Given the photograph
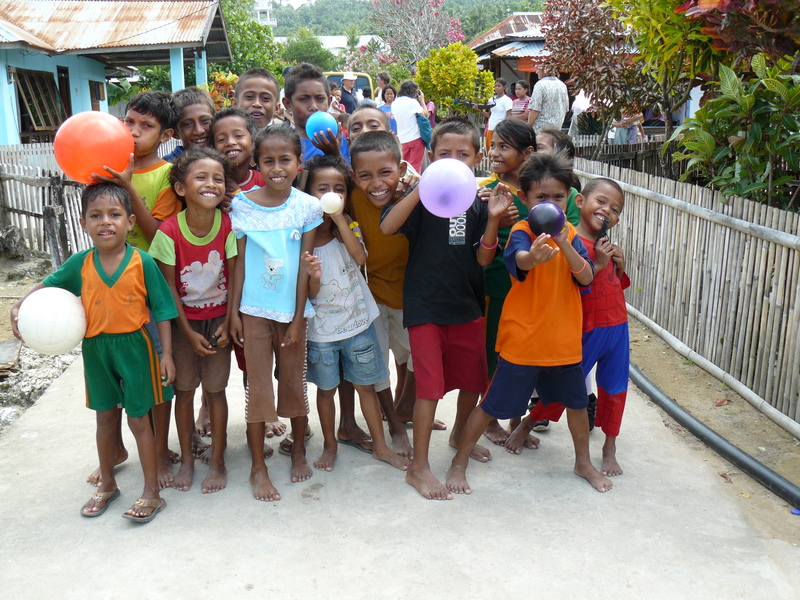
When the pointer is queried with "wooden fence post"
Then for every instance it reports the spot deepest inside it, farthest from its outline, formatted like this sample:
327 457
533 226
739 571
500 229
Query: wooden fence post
55 230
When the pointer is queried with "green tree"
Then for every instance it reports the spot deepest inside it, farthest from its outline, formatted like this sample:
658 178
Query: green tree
252 44
450 75
304 46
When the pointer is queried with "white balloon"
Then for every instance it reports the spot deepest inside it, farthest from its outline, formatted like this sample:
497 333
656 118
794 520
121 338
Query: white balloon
330 202
52 321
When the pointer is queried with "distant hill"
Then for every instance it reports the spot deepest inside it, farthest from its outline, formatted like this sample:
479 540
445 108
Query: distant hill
338 17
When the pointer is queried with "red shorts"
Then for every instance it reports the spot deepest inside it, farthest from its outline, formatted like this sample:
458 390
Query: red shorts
448 357
414 153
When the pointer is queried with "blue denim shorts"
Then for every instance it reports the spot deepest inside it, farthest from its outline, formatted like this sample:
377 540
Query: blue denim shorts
357 360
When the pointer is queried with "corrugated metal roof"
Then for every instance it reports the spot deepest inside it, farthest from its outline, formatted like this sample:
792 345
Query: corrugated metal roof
520 49
109 27
515 25
13 36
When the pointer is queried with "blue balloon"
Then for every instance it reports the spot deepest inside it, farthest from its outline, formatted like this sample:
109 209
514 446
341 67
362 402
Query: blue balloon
320 122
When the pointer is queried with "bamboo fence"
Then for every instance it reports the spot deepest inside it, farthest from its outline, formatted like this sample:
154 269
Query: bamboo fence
722 275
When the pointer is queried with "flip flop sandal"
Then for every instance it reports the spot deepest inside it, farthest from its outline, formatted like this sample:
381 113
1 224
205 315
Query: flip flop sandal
285 447
357 445
107 497
157 504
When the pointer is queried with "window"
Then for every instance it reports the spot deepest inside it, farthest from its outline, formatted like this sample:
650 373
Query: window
97 93
40 104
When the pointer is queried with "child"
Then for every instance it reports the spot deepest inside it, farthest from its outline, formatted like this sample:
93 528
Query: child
341 334
232 133
275 226
117 283
151 118
195 110
443 296
307 92
512 142
256 91
539 339
196 252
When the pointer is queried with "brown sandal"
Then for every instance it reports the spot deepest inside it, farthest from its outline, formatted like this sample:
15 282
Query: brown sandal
157 504
105 497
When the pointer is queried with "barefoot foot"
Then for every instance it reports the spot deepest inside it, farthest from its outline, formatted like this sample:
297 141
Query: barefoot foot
326 459
610 466
183 480
402 445
165 475
94 476
456 480
216 479
174 457
521 438
478 452
276 428
203 423
593 476
427 485
198 445
387 456
262 487
301 470
495 433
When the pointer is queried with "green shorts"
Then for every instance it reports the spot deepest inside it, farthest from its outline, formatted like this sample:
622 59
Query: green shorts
122 370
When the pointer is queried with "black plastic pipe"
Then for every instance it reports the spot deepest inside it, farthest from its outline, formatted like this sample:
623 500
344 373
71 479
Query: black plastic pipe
764 475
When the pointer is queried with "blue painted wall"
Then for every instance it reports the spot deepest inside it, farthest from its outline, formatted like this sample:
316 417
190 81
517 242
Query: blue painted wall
81 71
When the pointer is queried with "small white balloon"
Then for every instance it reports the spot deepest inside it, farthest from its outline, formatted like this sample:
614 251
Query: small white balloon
330 202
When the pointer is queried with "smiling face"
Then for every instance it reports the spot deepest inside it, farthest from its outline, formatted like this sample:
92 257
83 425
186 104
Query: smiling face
194 126
458 146
278 163
232 138
548 190
309 97
328 180
107 223
204 186
376 173
147 133
388 96
506 159
258 97
603 202
366 119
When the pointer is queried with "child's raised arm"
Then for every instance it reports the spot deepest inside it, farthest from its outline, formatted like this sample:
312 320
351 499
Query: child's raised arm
393 220
499 200
354 246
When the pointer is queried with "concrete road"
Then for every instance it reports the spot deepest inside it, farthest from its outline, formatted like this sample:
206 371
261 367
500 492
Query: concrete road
530 529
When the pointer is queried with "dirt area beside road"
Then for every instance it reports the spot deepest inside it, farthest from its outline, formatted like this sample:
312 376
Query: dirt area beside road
735 419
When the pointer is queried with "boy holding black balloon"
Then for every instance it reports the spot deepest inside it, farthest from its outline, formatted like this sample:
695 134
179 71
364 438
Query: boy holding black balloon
539 338
443 295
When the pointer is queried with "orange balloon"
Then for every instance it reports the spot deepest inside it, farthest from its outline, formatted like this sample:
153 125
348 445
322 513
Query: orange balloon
88 141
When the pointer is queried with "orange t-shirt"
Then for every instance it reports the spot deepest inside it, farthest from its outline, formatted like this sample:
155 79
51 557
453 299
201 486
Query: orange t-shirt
387 255
542 316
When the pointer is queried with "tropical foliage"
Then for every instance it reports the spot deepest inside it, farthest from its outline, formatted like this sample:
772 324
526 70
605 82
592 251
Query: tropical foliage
449 76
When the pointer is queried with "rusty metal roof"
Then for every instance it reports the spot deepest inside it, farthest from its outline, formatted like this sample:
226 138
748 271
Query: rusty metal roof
521 48
521 24
119 32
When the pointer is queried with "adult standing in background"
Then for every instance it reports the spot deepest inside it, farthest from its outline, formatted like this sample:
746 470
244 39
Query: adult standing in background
349 98
384 79
389 94
549 102
519 108
410 102
499 106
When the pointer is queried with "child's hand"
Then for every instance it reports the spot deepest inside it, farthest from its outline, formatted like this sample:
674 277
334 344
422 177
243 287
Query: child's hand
237 333
500 199
167 370
222 335
294 333
313 266
200 345
122 179
327 142
510 217
618 256
604 251
406 182
541 251
15 322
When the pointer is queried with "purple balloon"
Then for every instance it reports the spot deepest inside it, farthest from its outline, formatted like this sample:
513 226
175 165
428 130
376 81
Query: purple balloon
447 187
546 217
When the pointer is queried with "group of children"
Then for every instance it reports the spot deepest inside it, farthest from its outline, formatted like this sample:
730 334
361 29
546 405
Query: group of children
242 256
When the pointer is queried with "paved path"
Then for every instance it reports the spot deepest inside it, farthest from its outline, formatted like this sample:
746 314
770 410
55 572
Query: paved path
530 528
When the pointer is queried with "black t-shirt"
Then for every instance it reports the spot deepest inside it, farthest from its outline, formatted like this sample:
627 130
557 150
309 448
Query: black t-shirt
444 282
349 100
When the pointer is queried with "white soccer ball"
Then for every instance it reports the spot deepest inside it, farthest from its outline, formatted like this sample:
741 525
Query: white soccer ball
52 321
330 202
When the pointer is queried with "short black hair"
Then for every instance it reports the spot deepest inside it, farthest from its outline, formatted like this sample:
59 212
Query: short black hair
457 126
180 170
384 117
300 73
325 161
562 143
112 190
255 72
593 183
282 131
539 167
409 88
156 103
376 141
192 95
235 111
